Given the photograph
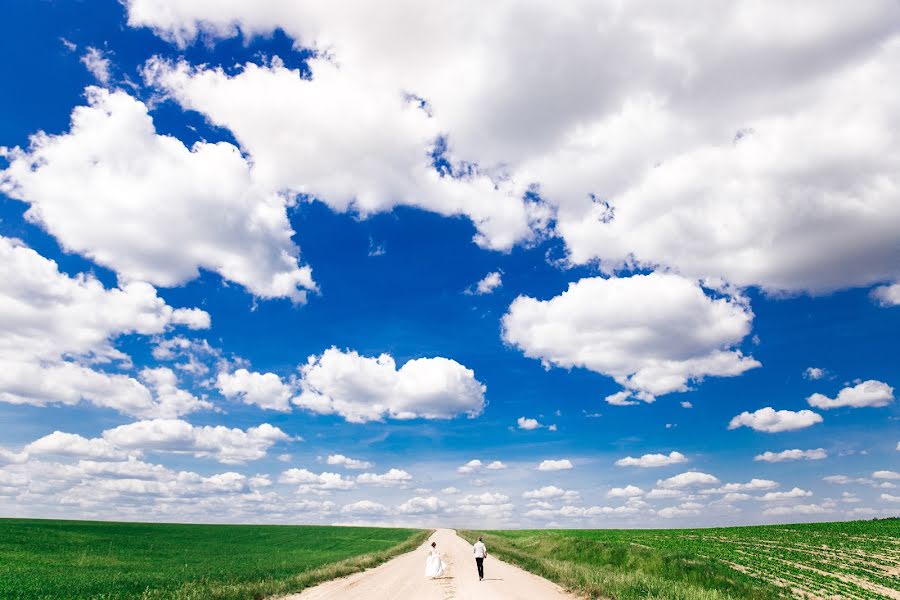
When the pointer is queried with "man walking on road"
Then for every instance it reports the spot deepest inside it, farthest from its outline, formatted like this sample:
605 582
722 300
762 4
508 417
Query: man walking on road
480 554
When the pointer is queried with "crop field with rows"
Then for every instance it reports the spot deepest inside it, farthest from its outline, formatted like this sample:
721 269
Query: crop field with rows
854 560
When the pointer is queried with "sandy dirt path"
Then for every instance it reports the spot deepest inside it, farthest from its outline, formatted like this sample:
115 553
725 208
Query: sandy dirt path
403 578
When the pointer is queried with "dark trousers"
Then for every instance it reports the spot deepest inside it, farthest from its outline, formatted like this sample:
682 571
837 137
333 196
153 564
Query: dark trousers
480 563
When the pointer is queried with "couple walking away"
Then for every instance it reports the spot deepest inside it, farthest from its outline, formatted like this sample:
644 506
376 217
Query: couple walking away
434 566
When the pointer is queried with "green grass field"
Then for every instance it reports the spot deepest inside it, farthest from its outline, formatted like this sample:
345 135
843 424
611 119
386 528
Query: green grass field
87 559
855 560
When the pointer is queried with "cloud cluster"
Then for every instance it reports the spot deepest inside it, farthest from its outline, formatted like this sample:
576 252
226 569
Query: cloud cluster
868 393
770 420
652 333
795 454
653 460
362 389
636 162
563 464
151 209
58 334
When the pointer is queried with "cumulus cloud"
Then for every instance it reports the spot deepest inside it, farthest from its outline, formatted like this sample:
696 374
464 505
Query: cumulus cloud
652 333
73 445
366 507
779 496
527 423
795 454
797 509
393 477
98 64
653 460
814 373
886 475
495 465
347 462
286 121
890 498
551 492
316 482
887 295
771 421
224 444
752 485
868 393
362 389
629 491
265 390
636 164
470 467
56 331
687 479
488 284
555 465
419 505
150 208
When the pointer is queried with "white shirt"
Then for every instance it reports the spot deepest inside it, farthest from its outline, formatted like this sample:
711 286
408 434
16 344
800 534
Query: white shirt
480 550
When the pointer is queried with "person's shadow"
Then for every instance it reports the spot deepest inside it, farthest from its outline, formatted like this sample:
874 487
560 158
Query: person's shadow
492 579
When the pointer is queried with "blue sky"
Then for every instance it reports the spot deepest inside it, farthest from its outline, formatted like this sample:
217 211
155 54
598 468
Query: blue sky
232 214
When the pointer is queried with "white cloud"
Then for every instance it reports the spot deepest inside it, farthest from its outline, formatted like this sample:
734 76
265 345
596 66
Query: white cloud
662 494
362 389
653 460
97 63
628 491
392 478
56 329
555 465
886 475
226 445
347 462
8 457
686 404
687 509
797 509
814 373
495 465
795 454
488 284
779 496
366 507
419 505
152 209
528 424
752 485
298 129
887 295
70 444
320 482
470 467
771 421
687 479
652 333
551 492
265 390
450 490
890 498
868 393
637 163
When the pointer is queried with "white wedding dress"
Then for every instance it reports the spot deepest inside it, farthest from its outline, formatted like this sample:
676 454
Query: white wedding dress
434 566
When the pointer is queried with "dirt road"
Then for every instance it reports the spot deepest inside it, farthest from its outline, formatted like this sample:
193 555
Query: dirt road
403 578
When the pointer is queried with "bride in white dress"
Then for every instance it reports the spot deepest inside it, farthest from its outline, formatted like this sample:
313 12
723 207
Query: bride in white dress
434 566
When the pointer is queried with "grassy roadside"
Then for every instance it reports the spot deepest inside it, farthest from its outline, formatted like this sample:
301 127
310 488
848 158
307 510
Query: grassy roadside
270 588
43 559
622 570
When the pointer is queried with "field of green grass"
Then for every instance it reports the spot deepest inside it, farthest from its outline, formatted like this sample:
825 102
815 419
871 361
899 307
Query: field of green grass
856 560
86 559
